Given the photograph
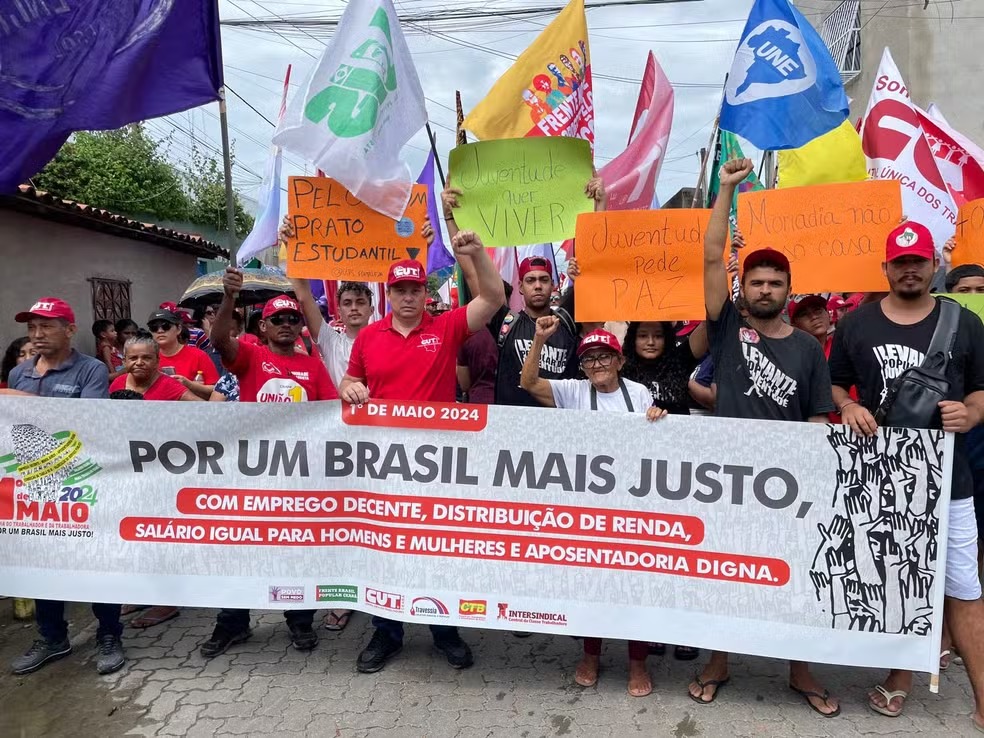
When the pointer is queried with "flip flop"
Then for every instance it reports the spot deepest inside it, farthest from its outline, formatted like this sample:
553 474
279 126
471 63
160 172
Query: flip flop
716 683
685 653
130 609
944 665
337 622
823 697
889 696
155 616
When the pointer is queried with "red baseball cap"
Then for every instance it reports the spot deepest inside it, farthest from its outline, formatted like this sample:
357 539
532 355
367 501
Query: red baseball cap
408 270
687 327
280 304
599 339
534 264
836 302
766 256
47 307
801 302
910 239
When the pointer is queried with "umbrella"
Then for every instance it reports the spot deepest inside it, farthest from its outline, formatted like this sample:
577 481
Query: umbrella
259 285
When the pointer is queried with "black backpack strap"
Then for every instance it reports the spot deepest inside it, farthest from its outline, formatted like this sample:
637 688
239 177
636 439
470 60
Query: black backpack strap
945 334
566 320
507 324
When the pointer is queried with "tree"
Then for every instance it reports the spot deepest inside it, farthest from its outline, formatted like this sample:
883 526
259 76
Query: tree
205 184
123 171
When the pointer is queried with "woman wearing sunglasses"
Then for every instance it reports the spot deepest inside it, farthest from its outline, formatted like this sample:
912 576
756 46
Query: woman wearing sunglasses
600 355
189 365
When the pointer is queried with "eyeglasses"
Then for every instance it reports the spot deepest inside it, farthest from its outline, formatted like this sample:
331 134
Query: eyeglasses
289 318
159 326
209 311
603 360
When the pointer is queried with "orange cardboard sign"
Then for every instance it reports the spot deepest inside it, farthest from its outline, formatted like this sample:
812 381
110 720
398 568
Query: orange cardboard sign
833 235
970 234
641 265
337 236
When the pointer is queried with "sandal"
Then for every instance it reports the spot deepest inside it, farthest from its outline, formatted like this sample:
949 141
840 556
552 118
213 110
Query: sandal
130 609
586 681
823 697
889 696
155 616
945 660
716 683
685 653
337 619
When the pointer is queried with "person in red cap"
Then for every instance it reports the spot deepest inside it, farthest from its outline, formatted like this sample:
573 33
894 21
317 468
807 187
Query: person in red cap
809 314
270 372
58 370
764 369
600 356
873 348
411 355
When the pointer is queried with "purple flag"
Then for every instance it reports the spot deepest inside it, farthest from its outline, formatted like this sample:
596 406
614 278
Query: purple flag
98 65
438 257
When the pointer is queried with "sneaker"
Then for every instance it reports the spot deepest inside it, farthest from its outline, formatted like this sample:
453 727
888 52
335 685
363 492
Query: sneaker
111 656
40 653
456 650
380 650
303 636
221 640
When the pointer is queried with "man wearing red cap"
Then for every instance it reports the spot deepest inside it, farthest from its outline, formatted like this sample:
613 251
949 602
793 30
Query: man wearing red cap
765 369
872 348
273 372
411 355
58 370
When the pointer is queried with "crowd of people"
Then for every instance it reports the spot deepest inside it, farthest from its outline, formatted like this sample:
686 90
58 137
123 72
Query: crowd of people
763 352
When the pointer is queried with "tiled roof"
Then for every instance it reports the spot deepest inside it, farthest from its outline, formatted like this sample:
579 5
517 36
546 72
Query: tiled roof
45 205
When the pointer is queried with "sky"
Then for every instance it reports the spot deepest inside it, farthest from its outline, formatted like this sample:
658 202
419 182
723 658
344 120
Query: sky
693 41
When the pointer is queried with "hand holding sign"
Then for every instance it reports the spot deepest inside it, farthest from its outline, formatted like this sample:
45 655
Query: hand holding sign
515 192
232 282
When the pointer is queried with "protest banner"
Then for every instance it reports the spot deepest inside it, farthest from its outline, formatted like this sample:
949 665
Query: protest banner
969 234
973 302
521 191
833 235
337 236
706 531
641 265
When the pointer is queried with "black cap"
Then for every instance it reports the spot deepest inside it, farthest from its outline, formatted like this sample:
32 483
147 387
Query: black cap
165 315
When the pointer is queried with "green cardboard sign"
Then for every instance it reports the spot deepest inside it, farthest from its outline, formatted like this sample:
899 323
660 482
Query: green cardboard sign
521 191
971 301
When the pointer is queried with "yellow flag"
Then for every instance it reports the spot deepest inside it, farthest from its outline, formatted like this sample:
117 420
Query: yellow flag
547 91
833 157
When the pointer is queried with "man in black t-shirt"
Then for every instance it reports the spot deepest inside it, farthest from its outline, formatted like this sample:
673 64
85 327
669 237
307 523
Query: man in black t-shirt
872 347
764 369
514 330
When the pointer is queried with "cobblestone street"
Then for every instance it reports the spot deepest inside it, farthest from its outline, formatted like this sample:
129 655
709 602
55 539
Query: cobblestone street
518 687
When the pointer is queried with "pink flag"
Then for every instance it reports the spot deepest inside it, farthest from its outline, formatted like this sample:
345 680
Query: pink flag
630 178
895 146
962 172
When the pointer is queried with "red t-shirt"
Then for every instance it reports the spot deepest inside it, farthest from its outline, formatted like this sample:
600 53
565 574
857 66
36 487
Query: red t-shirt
268 377
419 367
189 361
163 388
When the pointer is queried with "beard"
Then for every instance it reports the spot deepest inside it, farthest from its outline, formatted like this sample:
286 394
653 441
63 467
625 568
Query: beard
765 311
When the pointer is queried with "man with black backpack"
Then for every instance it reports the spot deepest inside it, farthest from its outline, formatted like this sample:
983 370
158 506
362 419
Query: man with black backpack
514 330
918 362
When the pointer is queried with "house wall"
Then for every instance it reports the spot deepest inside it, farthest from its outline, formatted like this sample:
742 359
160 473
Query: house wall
41 258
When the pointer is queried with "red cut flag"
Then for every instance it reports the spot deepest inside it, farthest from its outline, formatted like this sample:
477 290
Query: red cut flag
895 147
962 172
630 178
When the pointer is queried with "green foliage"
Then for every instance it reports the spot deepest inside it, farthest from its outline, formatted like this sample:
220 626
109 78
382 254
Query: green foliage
128 172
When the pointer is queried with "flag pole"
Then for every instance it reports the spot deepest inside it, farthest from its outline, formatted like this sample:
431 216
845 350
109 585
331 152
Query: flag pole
437 159
227 168
710 147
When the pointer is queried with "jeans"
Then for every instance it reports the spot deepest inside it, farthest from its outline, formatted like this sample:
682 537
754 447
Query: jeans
236 621
50 617
394 629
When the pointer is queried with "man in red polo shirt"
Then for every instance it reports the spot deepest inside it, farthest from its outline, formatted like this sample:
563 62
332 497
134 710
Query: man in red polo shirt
411 355
273 372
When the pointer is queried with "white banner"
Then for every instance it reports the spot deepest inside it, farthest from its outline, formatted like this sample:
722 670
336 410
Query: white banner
791 540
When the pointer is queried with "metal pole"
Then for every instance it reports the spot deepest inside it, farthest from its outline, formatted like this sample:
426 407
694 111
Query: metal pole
227 165
437 159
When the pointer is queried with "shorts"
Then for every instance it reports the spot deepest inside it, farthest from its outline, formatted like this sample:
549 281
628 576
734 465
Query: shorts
963 581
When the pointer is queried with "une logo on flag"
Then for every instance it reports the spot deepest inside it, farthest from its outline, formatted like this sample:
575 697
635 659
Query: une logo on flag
776 63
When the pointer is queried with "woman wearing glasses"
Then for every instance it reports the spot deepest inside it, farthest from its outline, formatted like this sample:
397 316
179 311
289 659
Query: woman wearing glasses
600 355
189 365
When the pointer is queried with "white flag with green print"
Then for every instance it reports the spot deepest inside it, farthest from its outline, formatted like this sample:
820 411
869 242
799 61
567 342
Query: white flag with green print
358 108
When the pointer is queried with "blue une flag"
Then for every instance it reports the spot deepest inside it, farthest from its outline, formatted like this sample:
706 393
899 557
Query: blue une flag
784 88
71 65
